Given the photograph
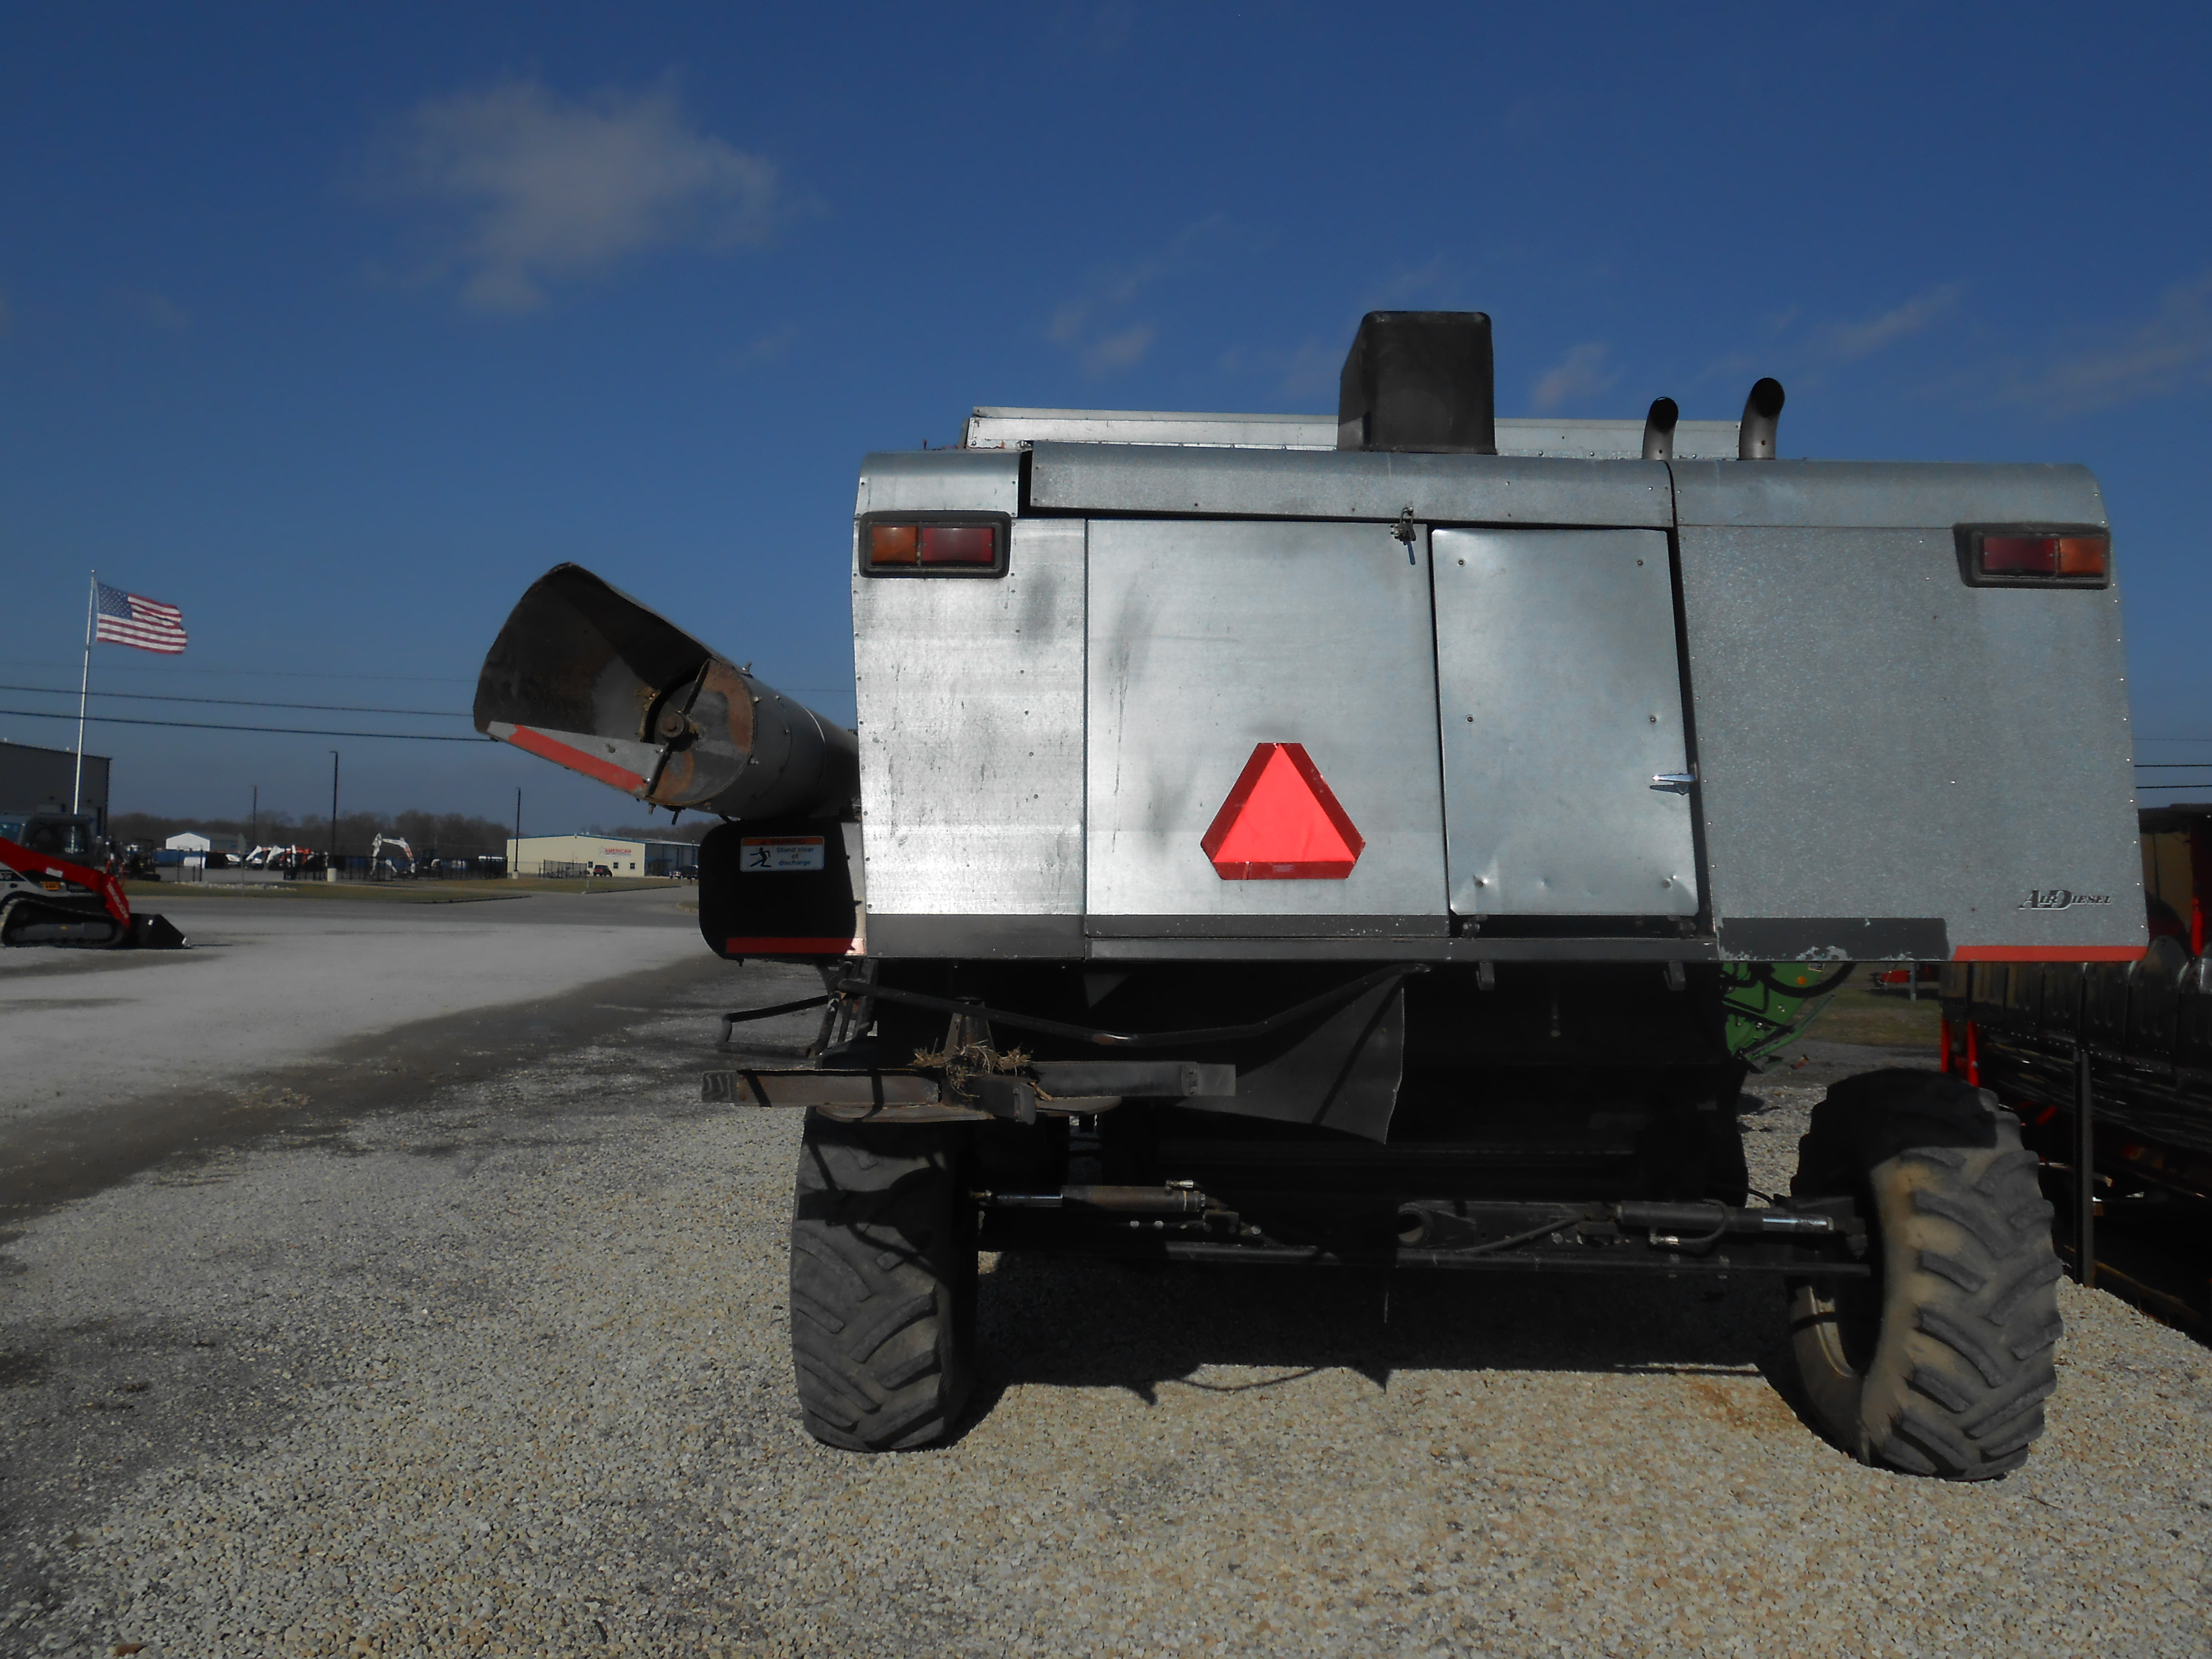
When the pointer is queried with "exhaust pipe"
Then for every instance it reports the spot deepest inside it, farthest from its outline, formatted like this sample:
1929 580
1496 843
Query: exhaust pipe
1659 429
1762 412
584 676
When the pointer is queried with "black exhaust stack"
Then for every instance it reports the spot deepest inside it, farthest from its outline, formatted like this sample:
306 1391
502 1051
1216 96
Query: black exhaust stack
1659 429
1762 414
1420 382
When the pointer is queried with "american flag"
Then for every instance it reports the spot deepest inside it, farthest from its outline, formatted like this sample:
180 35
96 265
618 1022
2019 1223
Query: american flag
129 619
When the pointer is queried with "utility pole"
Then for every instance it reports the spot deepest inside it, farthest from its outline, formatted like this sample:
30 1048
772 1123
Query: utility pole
331 866
514 864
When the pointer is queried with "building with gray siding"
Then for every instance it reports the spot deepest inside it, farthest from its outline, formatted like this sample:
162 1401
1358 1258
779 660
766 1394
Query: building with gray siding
31 778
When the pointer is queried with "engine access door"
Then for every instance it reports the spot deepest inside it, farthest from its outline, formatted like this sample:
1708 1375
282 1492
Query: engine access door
1262 732
1561 702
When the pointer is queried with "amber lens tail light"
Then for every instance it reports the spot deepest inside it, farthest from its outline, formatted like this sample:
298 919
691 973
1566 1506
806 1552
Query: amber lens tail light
893 544
2083 555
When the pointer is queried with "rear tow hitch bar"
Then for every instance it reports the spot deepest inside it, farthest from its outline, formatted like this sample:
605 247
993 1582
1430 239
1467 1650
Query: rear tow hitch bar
1177 1198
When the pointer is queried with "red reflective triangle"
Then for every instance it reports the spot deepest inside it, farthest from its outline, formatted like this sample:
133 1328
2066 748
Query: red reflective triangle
1281 824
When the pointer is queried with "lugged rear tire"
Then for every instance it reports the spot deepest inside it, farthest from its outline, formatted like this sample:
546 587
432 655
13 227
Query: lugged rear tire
1940 1363
882 1284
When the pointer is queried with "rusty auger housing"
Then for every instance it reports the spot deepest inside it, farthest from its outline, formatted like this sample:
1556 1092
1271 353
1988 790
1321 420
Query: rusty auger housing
585 676
1352 838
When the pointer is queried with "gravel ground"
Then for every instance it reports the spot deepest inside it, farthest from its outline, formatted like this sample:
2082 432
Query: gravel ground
501 1369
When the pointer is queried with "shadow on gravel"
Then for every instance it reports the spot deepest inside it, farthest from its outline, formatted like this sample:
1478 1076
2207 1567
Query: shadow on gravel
1088 1324
49 1162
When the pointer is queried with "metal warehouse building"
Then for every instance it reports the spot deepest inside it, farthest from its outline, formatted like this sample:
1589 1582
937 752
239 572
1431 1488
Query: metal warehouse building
578 855
31 777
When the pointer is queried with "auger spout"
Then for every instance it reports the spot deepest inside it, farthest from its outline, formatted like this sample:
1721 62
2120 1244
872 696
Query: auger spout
584 676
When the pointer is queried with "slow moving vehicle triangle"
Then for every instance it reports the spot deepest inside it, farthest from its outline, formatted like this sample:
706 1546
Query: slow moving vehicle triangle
1281 823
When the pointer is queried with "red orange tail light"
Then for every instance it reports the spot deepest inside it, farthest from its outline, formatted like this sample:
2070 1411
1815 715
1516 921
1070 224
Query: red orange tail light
913 547
2034 556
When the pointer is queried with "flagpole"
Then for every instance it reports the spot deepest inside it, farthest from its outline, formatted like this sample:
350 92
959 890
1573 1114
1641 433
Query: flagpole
83 688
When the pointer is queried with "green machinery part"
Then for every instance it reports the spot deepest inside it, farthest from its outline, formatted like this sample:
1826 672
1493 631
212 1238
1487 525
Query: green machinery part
1767 1003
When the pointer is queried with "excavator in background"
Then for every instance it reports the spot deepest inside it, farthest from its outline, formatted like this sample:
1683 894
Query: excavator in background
390 857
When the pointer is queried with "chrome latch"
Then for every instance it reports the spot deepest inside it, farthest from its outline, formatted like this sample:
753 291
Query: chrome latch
1677 783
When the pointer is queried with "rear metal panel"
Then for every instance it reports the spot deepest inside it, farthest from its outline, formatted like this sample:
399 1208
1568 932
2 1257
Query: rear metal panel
1878 740
970 697
993 427
940 481
1561 700
1594 440
1207 639
1585 440
1882 495
1347 484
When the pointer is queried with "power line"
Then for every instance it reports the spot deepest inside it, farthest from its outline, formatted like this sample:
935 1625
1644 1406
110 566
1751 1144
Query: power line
273 673
243 702
424 679
287 731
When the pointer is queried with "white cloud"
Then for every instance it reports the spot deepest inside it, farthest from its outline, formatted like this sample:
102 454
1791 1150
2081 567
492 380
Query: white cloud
1306 372
1581 374
522 186
1849 342
1416 282
1088 325
2169 351
1067 322
1120 350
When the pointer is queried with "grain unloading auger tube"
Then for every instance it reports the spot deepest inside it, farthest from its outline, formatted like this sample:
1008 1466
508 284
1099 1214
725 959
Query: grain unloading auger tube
584 676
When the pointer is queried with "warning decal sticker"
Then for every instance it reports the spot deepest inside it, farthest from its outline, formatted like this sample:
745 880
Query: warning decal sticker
773 853
1281 823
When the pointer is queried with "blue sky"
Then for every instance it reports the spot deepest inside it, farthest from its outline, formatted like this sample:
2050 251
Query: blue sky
336 327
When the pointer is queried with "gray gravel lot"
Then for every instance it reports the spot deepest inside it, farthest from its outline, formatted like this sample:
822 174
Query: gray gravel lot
274 977
498 1366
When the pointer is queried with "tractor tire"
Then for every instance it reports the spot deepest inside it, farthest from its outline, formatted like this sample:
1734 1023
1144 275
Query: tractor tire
1938 1365
883 1284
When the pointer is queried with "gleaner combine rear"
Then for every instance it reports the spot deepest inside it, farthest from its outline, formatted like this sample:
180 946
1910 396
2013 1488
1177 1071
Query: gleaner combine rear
1290 840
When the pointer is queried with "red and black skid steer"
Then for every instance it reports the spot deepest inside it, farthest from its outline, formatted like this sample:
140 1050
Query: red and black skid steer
48 898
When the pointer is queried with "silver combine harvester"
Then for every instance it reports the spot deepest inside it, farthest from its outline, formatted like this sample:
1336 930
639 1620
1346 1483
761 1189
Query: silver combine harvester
1276 839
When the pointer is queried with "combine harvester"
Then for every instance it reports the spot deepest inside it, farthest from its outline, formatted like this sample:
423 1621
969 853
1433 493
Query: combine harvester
1380 840
56 888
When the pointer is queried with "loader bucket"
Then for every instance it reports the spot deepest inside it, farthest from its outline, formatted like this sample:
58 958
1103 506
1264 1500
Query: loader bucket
585 676
156 934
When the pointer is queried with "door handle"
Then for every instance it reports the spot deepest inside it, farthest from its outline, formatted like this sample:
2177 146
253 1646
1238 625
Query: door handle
1675 783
